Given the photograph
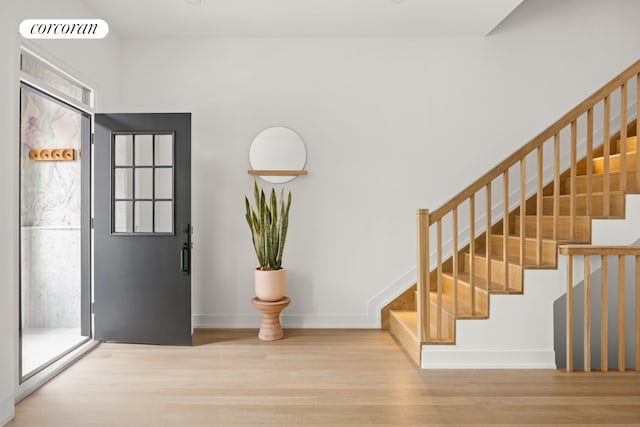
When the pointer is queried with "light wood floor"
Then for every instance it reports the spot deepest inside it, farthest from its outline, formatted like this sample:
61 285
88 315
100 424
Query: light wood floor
313 377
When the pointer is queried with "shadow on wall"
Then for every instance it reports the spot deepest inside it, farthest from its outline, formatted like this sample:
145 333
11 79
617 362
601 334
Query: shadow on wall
560 322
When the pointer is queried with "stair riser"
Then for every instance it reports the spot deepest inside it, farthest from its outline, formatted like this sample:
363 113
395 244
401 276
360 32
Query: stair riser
514 282
632 145
481 300
614 163
448 322
616 205
582 230
597 183
549 249
406 338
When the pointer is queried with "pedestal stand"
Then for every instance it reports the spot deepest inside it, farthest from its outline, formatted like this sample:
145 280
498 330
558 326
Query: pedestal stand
270 329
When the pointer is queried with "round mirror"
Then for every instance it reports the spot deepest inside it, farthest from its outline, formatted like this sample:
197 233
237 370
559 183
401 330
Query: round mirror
278 149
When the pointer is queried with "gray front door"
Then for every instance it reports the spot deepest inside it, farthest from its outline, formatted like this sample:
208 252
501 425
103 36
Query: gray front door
142 229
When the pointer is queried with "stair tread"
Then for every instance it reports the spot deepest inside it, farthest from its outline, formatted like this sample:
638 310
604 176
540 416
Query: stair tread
530 239
408 319
615 155
585 217
594 193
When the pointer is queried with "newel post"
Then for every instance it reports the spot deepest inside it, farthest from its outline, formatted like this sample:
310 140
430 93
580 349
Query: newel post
423 285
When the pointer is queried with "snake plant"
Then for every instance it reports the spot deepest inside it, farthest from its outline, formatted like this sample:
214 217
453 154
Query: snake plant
268 226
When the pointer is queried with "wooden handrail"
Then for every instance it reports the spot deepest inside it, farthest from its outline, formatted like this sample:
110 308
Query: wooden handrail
549 132
598 250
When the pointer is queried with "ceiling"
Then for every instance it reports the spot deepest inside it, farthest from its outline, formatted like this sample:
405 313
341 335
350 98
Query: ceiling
302 18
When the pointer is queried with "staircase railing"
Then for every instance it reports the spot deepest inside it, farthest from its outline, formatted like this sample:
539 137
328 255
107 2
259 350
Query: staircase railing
602 253
595 110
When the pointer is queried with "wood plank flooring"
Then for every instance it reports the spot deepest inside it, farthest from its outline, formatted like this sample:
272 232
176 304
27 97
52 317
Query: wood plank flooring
313 377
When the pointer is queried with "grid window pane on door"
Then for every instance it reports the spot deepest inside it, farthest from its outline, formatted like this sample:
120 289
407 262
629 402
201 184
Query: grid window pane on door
142 184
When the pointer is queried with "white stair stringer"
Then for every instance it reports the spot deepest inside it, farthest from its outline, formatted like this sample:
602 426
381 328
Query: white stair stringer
520 328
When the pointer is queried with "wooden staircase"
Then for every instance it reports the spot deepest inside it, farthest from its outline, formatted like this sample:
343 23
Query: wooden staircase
458 284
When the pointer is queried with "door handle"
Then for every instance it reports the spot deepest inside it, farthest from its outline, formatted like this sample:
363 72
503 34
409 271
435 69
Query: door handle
185 252
184 259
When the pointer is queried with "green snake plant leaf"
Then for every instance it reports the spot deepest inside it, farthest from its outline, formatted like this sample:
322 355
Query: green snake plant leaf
284 220
268 222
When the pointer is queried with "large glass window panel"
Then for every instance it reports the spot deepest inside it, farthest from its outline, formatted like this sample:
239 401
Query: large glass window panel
52 229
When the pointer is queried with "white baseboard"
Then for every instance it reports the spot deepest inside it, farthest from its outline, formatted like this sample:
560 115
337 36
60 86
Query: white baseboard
7 410
440 357
293 321
368 320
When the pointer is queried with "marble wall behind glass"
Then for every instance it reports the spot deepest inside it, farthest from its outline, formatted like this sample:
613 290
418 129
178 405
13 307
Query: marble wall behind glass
51 279
50 216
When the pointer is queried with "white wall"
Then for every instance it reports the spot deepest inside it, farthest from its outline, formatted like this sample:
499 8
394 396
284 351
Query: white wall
390 125
95 62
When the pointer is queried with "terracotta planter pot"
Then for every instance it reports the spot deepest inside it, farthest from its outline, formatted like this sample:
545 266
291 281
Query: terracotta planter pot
270 285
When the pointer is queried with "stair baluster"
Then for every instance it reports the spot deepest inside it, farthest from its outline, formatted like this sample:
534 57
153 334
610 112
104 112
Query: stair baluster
505 231
523 207
556 185
621 298
604 317
539 207
455 261
573 174
488 233
589 189
623 138
607 149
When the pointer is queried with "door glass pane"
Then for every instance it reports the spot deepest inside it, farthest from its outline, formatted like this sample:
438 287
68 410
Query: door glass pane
51 231
122 217
164 217
123 150
123 184
144 150
164 150
143 221
164 183
144 183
